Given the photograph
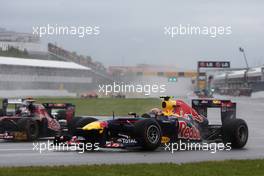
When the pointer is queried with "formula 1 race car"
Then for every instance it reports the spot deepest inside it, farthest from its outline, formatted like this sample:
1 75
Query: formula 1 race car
22 119
175 122
89 95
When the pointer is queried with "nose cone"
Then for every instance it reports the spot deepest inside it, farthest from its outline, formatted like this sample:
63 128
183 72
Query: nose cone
92 126
97 125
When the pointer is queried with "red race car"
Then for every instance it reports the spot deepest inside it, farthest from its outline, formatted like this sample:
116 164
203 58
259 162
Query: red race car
175 121
23 119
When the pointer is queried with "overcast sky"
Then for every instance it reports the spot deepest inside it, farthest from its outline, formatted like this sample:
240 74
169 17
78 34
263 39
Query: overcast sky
133 31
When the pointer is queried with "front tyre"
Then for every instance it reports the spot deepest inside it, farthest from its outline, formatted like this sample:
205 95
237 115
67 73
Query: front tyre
30 126
148 134
235 131
72 124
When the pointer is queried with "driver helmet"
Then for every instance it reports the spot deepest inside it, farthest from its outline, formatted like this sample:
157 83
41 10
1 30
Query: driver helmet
156 111
24 109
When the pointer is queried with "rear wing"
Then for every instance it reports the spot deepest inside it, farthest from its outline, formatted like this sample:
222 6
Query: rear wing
228 108
13 100
58 105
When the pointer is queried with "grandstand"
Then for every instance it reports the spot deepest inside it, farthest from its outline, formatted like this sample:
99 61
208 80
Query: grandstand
235 82
35 74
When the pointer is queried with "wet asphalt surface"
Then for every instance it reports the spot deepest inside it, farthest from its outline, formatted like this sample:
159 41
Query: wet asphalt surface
252 110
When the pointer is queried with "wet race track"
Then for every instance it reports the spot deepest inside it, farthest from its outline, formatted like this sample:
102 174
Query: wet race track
252 110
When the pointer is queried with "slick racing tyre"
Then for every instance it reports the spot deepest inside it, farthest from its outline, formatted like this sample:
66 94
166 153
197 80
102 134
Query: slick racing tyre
235 131
30 126
72 123
148 134
81 123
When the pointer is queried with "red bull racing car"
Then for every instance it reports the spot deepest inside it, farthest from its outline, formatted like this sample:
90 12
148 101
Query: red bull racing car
23 119
175 121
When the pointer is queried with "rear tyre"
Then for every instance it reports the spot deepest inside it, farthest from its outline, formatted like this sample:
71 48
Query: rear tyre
30 126
148 134
235 131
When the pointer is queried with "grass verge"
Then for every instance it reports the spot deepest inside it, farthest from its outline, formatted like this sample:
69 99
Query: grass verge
212 168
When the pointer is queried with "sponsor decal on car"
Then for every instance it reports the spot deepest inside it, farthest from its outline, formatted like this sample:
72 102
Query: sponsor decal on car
14 135
20 135
165 139
188 132
6 136
127 141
